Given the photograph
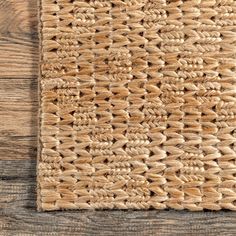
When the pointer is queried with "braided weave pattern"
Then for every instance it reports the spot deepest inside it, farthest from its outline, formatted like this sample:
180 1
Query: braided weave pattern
138 104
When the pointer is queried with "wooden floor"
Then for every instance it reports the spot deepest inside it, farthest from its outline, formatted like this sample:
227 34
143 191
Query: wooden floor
18 130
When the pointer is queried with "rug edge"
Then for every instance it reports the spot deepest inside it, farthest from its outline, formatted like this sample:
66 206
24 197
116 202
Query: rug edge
39 30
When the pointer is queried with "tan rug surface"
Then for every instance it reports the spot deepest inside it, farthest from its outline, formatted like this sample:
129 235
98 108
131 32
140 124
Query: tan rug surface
138 104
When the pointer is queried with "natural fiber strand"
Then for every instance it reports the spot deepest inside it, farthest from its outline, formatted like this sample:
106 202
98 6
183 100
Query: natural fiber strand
138 104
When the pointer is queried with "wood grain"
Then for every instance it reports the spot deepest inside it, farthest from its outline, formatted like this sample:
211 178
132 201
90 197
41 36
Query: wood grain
18 130
19 61
18 17
18 39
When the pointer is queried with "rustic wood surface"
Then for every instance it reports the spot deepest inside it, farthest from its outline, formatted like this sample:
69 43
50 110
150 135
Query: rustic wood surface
18 130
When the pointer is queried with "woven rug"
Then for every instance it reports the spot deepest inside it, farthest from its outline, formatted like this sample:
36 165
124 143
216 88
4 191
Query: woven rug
138 104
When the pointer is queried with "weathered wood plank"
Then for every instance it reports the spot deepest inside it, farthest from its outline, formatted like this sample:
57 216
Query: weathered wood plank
18 112
18 123
18 90
18 39
18 119
110 223
19 57
18 16
14 148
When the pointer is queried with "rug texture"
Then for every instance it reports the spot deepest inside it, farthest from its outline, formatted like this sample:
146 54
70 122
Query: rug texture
137 104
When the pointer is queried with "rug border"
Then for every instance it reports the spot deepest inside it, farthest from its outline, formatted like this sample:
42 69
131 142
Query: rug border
39 146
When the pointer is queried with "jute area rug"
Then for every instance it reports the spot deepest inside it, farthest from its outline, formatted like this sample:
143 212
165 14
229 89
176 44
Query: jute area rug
137 104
